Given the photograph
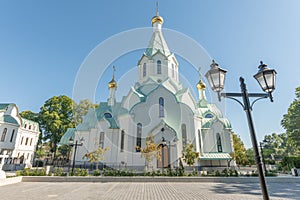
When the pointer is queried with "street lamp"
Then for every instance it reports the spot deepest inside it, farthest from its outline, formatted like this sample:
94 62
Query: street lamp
71 143
261 144
266 79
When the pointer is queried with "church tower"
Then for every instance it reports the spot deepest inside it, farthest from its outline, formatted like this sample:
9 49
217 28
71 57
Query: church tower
157 62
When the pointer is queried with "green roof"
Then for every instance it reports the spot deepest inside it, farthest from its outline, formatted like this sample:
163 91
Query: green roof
66 137
3 106
8 119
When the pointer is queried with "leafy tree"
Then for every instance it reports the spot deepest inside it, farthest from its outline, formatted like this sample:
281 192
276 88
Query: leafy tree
96 156
55 117
64 150
291 121
150 151
189 154
239 150
250 156
81 109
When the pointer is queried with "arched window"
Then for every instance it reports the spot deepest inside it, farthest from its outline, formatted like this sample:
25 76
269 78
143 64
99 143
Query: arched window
29 127
12 135
139 137
184 137
199 138
161 107
122 140
101 140
219 143
144 70
3 135
173 71
158 67
25 126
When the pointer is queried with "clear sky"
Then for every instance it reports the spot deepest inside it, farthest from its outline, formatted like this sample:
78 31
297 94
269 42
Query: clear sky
44 43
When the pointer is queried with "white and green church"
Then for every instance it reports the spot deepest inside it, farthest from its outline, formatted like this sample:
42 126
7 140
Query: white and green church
157 104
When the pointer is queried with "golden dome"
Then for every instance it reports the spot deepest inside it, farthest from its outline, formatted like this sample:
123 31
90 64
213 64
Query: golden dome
201 85
112 83
158 19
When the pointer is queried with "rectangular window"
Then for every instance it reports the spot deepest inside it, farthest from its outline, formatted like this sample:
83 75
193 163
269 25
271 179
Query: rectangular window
26 142
101 140
30 141
22 140
122 140
12 135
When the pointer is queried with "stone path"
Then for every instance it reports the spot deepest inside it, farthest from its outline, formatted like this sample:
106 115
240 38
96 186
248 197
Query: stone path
141 191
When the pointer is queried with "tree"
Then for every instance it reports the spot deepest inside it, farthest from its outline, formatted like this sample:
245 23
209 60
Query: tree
239 150
96 156
189 154
81 109
55 117
250 156
291 121
150 151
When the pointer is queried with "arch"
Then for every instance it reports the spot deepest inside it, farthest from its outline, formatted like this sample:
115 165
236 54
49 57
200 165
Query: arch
184 136
144 70
158 67
139 137
161 102
219 143
3 135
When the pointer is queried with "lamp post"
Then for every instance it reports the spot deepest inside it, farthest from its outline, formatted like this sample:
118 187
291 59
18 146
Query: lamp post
261 144
71 143
266 79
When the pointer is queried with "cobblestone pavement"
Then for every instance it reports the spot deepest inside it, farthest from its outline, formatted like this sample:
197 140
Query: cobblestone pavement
141 191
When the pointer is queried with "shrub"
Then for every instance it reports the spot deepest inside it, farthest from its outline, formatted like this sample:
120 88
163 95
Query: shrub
96 172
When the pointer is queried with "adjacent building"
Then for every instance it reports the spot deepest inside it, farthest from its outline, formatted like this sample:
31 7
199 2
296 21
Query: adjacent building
18 136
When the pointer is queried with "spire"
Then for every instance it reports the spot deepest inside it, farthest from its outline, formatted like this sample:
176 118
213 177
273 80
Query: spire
157 42
201 90
157 20
112 85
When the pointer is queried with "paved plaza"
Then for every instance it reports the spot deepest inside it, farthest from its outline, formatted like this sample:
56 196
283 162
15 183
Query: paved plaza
141 191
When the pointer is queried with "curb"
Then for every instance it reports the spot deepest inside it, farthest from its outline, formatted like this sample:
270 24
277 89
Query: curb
158 179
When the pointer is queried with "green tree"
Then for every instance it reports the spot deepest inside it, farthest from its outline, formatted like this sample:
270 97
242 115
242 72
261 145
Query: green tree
189 154
250 156
55 117
291 121
239 150
81 109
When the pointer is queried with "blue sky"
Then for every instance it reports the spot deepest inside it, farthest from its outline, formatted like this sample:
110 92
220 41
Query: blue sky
43 44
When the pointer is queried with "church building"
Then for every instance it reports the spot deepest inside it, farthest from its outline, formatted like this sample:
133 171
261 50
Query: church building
157 104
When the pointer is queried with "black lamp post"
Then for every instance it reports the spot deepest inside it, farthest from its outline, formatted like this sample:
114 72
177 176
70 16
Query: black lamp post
266 78
71 143
261 144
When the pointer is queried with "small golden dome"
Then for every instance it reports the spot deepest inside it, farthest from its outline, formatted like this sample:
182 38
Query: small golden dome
201 85
158 19
112 83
